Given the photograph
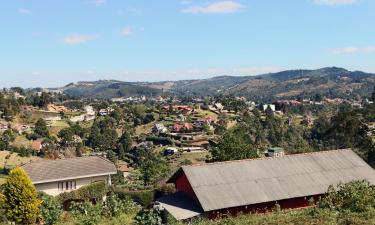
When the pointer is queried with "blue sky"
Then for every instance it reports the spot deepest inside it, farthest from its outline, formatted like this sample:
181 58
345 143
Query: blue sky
51 43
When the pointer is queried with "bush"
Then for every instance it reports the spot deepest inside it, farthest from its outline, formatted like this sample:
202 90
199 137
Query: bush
94 191
21 201
148 217
143 198
115 206
159 140
50 209
86 212
356 196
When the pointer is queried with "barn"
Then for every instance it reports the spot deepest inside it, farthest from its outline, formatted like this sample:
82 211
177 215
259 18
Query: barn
218 189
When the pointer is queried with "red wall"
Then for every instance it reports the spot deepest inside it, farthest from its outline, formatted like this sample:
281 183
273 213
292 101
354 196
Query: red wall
263 207
182 184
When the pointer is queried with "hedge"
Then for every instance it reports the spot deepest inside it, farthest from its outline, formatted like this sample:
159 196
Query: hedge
94 191
144 197
159 140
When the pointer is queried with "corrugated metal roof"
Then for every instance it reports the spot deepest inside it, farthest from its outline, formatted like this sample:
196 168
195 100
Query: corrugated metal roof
65 169
246 182
180 205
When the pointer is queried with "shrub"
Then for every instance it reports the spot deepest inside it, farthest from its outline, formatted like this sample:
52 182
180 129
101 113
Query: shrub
21 201
148 217
356 196
143 198
115 206
94 191
86 212
50 209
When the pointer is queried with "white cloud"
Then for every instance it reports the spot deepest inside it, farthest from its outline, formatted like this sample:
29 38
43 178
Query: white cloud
352 50
127 31
217 7
369 49
76 39
347 50
24 11
335 2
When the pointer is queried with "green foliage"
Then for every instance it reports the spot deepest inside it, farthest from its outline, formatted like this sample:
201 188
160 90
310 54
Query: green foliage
115 206
148 217
233 145
21 202
94 191
50 209
41 128
159 140
144 197
356 196
86 212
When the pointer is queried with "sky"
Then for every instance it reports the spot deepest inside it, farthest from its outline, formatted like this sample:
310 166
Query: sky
50 43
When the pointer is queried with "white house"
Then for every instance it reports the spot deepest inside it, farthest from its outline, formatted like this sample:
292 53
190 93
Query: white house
57 176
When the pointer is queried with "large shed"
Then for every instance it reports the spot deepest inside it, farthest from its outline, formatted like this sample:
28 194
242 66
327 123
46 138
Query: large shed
257 185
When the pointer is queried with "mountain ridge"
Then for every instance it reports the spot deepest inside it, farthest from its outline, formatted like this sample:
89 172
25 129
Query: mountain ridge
328 81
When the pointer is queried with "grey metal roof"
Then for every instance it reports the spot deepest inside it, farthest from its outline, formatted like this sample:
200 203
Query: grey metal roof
246 182
66 169
180 205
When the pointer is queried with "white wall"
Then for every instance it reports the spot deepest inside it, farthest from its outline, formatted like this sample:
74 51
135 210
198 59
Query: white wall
52 187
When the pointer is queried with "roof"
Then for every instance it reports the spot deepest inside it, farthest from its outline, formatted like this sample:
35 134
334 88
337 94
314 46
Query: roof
66 169
124 168
247 182
180 205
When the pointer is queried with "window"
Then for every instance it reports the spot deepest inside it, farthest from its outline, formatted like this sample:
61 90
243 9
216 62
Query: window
67 185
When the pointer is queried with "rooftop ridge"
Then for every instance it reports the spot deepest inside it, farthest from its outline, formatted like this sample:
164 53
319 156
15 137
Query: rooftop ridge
55 160
266 158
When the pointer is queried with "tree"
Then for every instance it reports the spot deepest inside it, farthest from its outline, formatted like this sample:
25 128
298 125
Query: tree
148 217
21 198
234 145
41 128
66 135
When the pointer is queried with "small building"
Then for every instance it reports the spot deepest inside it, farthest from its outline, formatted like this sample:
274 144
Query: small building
57 176
56 108
248 186
275 152
37 145
182 128
124 169
159 128
105 112
271 106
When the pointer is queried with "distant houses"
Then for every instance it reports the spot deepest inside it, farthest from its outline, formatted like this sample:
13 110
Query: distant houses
56 108
246 186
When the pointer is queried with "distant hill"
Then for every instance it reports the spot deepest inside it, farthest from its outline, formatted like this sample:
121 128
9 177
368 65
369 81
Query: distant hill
108 89
330 82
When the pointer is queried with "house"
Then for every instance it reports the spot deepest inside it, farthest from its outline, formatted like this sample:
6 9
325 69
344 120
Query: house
3 127
105 112
246 186
159 128
57 176
181 128
37 145
124 169
56 108
20 128
275 152
271 106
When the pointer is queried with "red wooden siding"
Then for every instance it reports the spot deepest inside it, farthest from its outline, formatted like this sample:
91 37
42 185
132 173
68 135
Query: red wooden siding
182 184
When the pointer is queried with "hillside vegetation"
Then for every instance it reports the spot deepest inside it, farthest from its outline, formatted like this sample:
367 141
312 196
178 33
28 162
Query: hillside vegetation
331 82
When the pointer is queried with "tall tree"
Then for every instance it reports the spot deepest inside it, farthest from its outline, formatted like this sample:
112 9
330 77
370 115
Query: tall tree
21 198
41 128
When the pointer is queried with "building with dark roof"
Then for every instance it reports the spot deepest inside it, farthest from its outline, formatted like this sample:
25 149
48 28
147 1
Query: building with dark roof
56 176
215 189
